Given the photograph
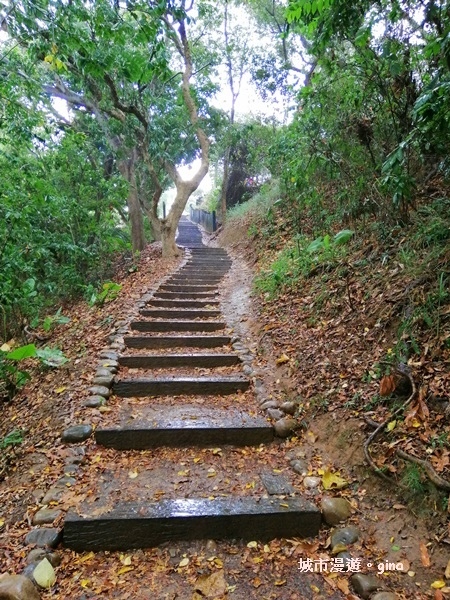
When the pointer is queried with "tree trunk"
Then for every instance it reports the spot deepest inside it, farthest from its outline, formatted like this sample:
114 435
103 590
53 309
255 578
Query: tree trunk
127 169
169 248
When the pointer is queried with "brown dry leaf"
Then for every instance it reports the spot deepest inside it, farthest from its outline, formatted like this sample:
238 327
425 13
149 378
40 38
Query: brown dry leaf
256 582
447 571
424 556
387 385
342 584
211 586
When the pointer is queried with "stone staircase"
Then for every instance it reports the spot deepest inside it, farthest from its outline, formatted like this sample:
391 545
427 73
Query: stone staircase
175 395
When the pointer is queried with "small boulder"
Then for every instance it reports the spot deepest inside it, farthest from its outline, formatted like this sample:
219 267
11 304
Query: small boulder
288 407
275 414
311 482
265 404
104 380
44 537
384 596
17 587
37 554
365 585
109 355
94 401
77 433
54 494
345 536
299 466
100 390
284 427
46 516
335 510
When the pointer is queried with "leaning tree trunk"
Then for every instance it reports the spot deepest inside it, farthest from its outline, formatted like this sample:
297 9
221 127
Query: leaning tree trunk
127 169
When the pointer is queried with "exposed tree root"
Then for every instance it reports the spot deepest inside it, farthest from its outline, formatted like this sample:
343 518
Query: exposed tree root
382 425
438 481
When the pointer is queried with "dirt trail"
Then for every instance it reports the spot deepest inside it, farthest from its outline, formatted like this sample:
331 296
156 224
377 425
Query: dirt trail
191 570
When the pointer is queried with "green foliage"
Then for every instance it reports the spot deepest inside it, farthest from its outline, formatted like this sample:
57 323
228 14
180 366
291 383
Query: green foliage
12 377
301 260
14 438
108 292
56 319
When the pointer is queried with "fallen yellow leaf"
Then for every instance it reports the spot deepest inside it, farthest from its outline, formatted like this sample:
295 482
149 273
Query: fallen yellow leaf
438 584
184 562
331 480
133 474
252 545
390 426
86 557
282 359
123 570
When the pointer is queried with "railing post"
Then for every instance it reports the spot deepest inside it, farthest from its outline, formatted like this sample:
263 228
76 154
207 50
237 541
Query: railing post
214 220
164 210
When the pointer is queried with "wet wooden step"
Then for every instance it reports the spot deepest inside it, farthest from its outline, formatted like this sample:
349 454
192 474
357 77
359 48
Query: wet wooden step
182 303
184 295
187 313
173 325
172 386
157 361
174 287
178 341
134 525
184 426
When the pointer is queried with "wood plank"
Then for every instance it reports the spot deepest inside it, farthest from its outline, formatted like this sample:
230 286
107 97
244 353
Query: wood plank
176 325
134 525
184 295
177 341
180 314
175 287
182 303
183 433
173 386
157 361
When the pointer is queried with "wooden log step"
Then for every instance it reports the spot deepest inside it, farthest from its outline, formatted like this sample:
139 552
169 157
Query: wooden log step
184 295
157 361
174 287
184 426
196 313
178 341
172 386
197 277
148 326
182 303
134 525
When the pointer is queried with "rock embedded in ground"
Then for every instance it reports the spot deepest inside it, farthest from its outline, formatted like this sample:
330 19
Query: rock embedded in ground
94 401
77 433
275 414
299 466
384 596
44 537
104 380
284 427
108 364
103 372
109 355
37 554
46 516
247 370
345 536
346 558
288 407
17 587
65 481
335 510
54 494
99 390
295 453
365 585
265 404
311 482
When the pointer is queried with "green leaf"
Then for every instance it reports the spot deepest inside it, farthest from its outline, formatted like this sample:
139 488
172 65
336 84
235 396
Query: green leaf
344 236
315 246
52 357
23 352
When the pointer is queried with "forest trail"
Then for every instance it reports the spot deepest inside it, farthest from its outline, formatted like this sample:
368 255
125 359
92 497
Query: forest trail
182 491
